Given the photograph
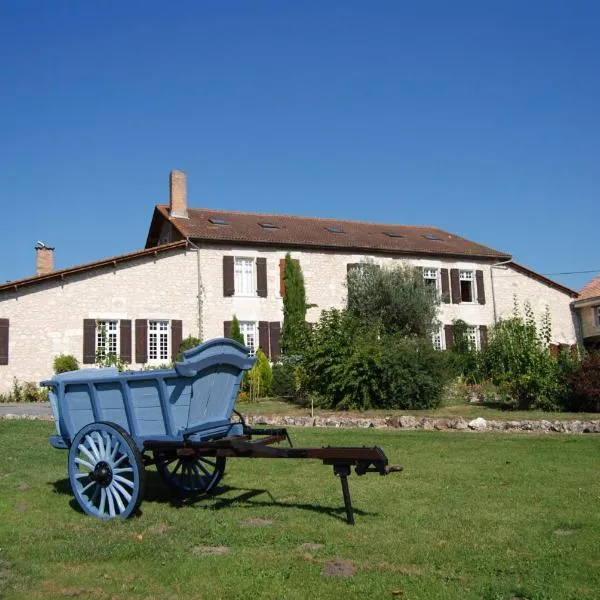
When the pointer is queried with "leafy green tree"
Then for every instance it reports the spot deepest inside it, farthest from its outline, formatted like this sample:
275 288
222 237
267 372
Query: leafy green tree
294 332
236 333
259 379
394 300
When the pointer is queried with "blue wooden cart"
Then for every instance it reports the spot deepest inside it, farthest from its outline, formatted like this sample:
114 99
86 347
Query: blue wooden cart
182 420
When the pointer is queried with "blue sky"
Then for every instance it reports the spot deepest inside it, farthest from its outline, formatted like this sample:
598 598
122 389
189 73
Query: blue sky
481 118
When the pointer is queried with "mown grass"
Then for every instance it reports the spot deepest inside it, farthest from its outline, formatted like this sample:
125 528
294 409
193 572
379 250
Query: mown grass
472 516
276 406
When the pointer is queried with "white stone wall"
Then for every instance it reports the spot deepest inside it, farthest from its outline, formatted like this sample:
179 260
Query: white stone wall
46 319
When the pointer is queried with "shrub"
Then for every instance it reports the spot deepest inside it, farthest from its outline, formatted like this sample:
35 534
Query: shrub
284 384
111 360
235 332
585 384
186 344
64 363
463 359
258 380
25 392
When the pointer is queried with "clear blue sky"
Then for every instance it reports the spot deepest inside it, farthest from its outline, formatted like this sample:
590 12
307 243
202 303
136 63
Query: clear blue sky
479 117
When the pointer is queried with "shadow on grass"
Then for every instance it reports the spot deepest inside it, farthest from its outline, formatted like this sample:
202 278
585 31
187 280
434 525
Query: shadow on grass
157 491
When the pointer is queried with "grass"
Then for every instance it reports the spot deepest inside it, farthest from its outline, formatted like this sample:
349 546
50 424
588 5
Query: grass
473 516
273 406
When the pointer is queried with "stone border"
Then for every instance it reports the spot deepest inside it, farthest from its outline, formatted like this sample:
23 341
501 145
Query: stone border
405 422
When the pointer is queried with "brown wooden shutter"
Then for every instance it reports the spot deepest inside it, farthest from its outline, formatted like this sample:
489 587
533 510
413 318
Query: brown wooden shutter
480 288
4 325
445 286
275 339
125 340
455 286
449 335
227 329
141 341
263 338
351 267
176 336
261 277
228 277
483 335
89 341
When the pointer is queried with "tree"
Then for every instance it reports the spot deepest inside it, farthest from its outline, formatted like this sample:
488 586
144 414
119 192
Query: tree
236 333
294 331
394 300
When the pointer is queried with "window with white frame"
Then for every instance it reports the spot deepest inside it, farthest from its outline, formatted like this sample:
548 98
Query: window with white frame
437 338
245 278
431 277
107 338
249 330
158 341
473 337
467 286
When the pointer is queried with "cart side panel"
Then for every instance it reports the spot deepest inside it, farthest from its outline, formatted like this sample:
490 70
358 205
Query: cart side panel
146 408
79 411
179 394
111 404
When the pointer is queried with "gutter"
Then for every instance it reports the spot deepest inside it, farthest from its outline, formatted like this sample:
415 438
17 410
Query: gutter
496 265
200 289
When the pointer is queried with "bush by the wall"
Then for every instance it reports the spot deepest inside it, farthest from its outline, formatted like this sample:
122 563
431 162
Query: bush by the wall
65 363
26 391
186 344
257 381
585 385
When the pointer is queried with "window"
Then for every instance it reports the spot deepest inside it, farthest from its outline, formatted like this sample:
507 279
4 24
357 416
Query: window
250 333
473 337
431 277
158 341
466 286
107 338
597 316
244 277
437 338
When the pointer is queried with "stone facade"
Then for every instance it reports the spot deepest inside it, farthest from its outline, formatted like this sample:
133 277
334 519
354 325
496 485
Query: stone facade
46 317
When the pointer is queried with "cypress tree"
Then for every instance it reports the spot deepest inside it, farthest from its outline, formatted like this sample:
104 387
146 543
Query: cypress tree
293 335
236 333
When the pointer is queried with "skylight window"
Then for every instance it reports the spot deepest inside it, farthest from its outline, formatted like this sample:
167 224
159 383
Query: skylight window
335 229
430 236
393 234
269 225
216 221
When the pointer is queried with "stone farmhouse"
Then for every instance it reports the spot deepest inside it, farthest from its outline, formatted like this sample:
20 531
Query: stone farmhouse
201 266
587 309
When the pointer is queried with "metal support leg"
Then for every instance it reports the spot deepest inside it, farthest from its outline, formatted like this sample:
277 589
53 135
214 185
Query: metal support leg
342 471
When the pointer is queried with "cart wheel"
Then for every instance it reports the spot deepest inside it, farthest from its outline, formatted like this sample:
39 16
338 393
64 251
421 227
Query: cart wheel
106 471
189 475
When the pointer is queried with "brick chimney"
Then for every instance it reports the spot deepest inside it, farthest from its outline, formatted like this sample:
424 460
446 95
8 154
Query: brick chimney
44 259
178 197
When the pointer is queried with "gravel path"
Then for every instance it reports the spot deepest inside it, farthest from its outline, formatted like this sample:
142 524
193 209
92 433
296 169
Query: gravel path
37 409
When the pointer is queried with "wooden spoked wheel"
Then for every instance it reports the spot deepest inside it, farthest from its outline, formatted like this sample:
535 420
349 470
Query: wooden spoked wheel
189 475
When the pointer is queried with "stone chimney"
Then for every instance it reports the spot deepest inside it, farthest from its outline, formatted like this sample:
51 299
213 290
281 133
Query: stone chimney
178 197
44 259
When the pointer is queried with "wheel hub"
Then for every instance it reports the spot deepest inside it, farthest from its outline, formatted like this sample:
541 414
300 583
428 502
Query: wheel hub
102 473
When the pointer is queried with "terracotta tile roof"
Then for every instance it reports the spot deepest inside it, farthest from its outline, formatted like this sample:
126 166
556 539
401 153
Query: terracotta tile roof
591 290
114 260
310 232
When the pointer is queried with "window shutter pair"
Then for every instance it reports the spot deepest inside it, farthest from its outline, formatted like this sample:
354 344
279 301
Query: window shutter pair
282 275
4 325
269 337
449 335
455 285
141 339
229 276
89 341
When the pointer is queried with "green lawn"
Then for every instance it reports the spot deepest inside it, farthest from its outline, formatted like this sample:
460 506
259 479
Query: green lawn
273 406
472 516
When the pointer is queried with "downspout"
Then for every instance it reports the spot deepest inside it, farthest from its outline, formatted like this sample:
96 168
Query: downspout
499 264
200 290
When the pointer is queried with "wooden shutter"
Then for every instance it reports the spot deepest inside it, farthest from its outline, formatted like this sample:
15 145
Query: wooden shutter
263 338
89 341
480 288
125 340
351 267
141 341
227 329
483 336
4 325
228 276
261 277
445 286
282 275
449 335
455 286
176 336
275 339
